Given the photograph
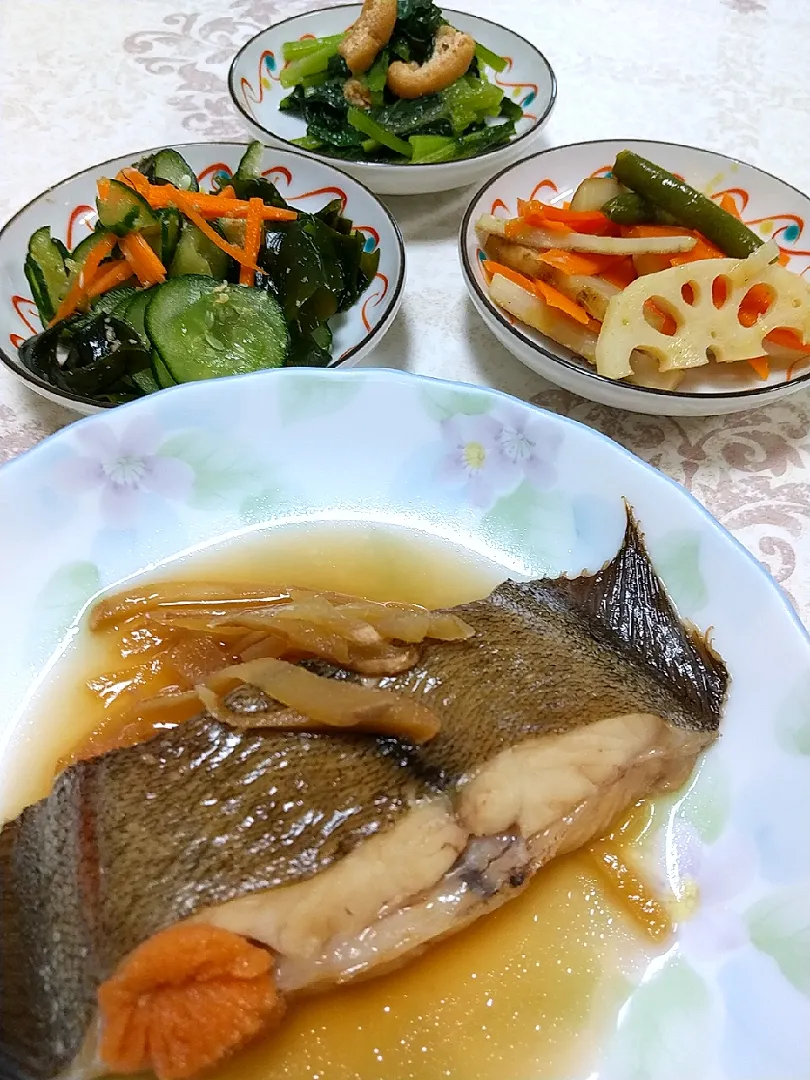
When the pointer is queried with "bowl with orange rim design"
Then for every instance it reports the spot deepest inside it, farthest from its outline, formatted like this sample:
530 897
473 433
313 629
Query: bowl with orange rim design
527 79
69 209
771 208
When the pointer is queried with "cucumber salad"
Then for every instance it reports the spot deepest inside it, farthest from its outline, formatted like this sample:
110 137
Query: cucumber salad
401 85
174 284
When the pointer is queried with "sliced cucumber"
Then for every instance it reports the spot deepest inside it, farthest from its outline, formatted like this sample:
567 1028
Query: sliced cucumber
134 310
46 273
196 254
106 303
145 381
171 168
250 165
161 373
170 225
206 329
124 210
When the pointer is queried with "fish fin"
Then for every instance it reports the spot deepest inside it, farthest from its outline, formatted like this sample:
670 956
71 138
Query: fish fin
625 605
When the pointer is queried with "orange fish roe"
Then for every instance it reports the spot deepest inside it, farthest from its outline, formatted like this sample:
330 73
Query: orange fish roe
184 1000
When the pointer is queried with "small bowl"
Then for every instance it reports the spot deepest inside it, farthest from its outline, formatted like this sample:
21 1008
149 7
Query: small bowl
770 206
69 209
253 82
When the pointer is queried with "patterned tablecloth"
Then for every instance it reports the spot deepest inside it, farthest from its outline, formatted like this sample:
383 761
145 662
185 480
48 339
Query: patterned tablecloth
85 80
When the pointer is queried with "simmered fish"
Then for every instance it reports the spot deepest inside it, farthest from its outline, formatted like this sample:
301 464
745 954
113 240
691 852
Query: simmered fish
337 854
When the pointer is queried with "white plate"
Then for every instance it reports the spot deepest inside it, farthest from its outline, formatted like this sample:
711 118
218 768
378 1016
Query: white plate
528 79
177 471
69 209
770 206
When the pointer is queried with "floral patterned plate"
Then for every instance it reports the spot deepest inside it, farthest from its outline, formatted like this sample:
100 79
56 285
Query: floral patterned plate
528 79
769 206
69 209
122 492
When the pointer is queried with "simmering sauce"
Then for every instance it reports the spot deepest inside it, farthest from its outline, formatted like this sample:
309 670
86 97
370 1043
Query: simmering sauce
527 992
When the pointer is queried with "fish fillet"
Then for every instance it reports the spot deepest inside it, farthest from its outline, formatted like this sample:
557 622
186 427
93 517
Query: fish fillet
349 854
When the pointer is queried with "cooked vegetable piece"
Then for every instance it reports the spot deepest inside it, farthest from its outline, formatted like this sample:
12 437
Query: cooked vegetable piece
294 50
515 229
366 123
169 167
704 329
108 302
685 204
161 374
205 329
134 312
628 208
489 59
529 308
123 210
46 273
593 193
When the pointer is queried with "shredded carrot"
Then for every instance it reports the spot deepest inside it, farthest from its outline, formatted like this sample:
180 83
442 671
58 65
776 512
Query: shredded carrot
222 204
235 252
253 239
492 268
77 293
655 230
761 365
184 1000
228 192
784 258
621 274
148 268
136 180
787 339
113 274
574 262
544 215
103 187
554 298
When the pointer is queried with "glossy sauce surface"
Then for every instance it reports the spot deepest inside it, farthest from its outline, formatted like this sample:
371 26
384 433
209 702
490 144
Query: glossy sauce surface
528 991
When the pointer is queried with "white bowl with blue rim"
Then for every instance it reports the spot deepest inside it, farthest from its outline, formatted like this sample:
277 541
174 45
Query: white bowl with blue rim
528 79
728 997
69 209
768 205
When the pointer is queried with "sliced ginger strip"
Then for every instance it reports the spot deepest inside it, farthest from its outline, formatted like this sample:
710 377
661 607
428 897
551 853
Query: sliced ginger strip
184 1000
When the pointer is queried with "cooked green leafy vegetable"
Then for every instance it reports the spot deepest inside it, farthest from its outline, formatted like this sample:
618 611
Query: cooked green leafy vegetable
175 284
359 118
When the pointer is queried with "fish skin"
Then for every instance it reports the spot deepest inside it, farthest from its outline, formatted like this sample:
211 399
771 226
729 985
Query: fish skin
548 656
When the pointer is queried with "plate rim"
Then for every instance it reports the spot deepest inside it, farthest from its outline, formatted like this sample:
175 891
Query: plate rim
383 375
584 370
390 165
68 396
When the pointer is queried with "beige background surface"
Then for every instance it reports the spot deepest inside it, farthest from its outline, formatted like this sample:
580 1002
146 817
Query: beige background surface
85 80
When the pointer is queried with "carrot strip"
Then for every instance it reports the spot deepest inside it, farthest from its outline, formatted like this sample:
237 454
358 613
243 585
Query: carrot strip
703 249
136 180
227 192
492 268
148 268
554 298
788 339
574 262
184 1000
542 214
761 365
621 274
253 238
115 273
77 293
656 230
230 249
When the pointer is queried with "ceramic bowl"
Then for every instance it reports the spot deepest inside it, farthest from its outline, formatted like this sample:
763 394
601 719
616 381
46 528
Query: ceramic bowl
770 206
725 997
254 85
69 209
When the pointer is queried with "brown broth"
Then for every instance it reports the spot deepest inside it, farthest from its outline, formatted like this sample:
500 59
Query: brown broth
529 991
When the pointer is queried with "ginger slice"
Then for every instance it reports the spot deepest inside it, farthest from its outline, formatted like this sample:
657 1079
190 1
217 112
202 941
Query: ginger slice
184 1000
709 302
